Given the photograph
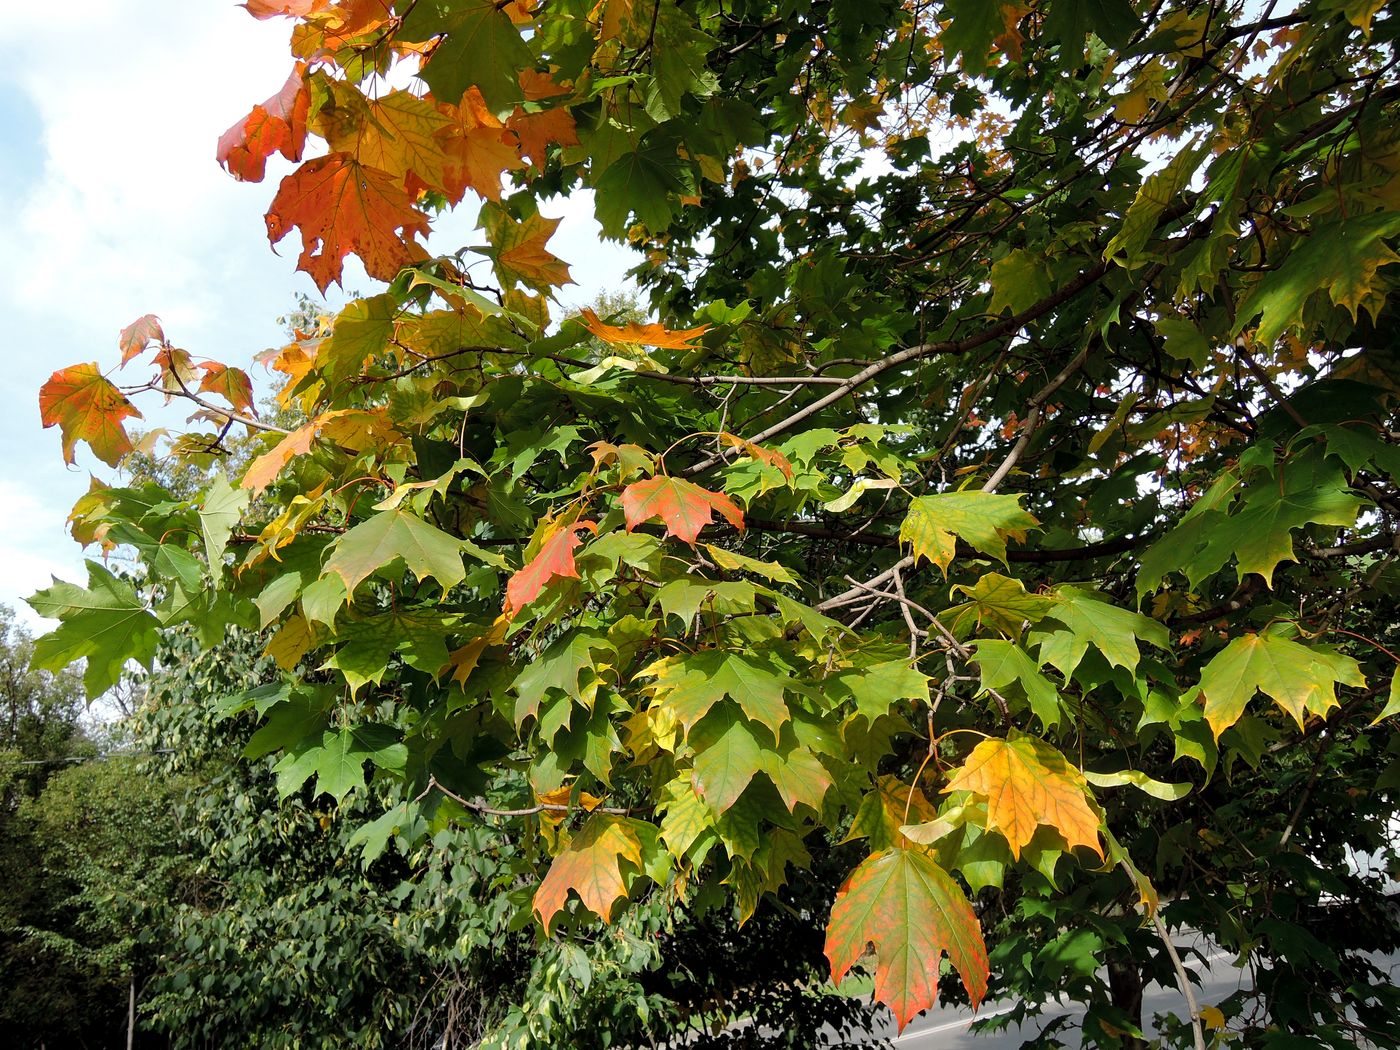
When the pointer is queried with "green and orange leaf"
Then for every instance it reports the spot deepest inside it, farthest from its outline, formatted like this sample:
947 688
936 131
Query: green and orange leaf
555 559
1027 784
591 866
232 384
86 406
682 506
901 903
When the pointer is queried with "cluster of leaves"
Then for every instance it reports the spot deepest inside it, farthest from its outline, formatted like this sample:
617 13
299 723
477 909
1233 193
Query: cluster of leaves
989 483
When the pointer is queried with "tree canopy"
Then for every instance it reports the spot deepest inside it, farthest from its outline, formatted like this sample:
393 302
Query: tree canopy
1003 500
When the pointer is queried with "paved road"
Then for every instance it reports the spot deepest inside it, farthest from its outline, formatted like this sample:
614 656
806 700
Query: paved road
948 1028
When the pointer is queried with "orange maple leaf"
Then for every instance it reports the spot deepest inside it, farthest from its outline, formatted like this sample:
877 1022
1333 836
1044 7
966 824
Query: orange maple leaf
232 384
1028 783
335 27
138 335
479 150
650 334
555 558
684 507
84 404
591 866
341 206
278 125
521 254
285 8
755 451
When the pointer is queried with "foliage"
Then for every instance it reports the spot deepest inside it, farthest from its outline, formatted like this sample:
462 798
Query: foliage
1028 369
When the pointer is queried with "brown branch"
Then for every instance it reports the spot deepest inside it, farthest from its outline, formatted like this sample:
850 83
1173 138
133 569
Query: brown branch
914 353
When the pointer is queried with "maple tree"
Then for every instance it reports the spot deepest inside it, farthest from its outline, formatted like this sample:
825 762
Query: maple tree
1024 404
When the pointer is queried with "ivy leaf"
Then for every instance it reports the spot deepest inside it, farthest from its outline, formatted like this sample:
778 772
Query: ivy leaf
684 507
983 519
341 206
592 867
106 623
911 911
649 334
555 559
1299 678
87 406
1027 783
394 534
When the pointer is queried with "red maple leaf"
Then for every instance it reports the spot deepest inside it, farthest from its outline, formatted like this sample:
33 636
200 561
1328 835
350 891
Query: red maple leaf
138 335
555 558
341 206
684 507
231 384
278 125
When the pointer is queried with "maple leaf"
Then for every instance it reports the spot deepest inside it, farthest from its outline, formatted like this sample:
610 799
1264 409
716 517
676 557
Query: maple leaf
138 335
403 135
983 519
649 334
1299 678
232 384
537 130
684 507
1027 783
886 810
263 470
278 125
464 659
519 252
911 911
481 49
555 558
341 206
754 451
85 405
591 866
691 684
479 150
287 8
999 602
390 535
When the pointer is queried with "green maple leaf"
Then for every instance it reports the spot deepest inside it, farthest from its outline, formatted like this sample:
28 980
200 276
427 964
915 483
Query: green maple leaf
996 601
984 520
647 181
1113 631
106 623
1340 255
690 685
418 638
878 687
798 775
396 534
482 49
1112 21
1300 679
219 511
1002 663
339 760
362 331
561 667
1158 190
727 755
1019 279
911 911
975 24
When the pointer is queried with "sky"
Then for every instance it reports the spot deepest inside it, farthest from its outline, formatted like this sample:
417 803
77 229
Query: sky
112 206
